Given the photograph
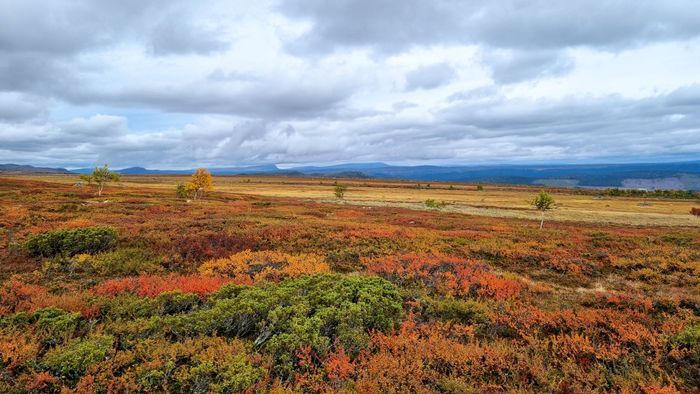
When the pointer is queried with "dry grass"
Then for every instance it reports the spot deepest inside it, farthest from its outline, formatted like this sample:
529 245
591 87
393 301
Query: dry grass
495 200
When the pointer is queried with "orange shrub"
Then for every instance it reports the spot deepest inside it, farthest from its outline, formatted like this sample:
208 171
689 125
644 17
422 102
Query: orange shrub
71 302
16 349
17 296
267 265
152 285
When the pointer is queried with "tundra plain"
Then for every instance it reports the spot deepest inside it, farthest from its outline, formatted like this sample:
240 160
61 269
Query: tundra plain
272 284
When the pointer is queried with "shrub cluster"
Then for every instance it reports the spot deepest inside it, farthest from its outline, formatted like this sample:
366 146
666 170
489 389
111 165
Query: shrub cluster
69 242
249 266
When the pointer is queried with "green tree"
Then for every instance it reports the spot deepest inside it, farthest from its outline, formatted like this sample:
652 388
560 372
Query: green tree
100 176
340 191
181 191
543 202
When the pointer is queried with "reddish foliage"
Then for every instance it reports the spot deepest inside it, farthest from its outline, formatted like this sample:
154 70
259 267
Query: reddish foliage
339 366
72 302
152 285
208 246
446 275
16 296
42 382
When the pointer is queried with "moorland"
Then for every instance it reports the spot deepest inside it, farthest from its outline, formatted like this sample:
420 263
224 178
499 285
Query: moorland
273 284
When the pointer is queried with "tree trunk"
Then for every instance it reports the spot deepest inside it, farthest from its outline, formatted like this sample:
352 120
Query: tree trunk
99 189
542 221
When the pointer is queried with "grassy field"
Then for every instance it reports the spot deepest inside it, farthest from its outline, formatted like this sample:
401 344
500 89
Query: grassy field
494 200
270 284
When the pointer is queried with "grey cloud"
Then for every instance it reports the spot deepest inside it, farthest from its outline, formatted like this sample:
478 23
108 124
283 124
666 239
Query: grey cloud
15 107
391 26
510 66
430 77
175 34
64 28
534 31
321 105
265 99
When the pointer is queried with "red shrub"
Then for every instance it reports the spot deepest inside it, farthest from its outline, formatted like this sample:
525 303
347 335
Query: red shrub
212 245
446 275
16 296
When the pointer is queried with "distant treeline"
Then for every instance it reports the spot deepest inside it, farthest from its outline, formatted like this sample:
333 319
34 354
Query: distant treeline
659 193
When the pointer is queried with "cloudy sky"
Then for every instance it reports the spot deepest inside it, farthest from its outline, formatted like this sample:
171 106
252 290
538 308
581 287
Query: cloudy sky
176 84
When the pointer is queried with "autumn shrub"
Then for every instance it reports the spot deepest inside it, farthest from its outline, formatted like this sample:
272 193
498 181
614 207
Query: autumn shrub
212 245
267 265
445 275
415 359
16 295
197 365
344 260
69 242
71 361
17 349
120 262
153 285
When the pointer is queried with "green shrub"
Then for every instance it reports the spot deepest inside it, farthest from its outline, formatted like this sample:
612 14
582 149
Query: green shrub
280 318
175 302
125 262
55 325
311 311
685 358
317 311
234 376
71 361
456 310
128 306
181 191
69 242
433 204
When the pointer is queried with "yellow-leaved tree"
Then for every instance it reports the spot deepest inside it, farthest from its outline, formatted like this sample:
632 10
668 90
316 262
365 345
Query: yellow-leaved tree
200 183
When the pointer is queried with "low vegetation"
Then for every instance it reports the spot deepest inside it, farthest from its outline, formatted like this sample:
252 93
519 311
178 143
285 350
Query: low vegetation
149 293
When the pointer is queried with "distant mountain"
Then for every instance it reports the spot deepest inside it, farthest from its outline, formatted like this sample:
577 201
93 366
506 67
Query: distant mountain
27 169
678 175
270 168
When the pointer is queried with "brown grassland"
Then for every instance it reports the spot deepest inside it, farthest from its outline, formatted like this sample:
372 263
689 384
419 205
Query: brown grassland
272 284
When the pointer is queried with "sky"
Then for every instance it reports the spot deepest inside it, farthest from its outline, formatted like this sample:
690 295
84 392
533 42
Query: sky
179 84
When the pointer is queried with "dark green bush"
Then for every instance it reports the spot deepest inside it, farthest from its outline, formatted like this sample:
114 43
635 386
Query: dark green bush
125 262
175 302
434 204
72 360
311 311
684 355
456 310
317 311
55 325
69 242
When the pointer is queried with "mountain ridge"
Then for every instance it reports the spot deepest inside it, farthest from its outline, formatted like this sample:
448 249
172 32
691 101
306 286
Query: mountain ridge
670 175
